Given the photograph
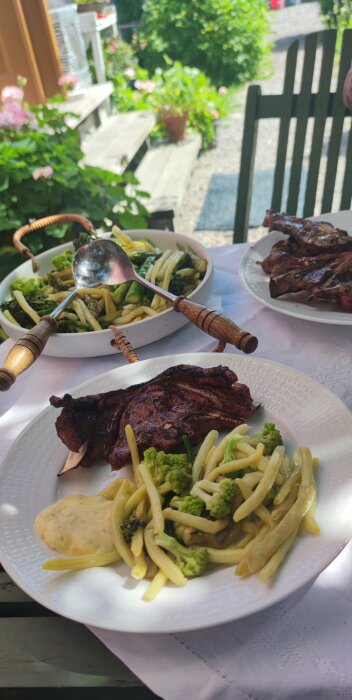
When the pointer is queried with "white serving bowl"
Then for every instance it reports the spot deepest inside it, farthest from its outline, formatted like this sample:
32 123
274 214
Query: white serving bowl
96 343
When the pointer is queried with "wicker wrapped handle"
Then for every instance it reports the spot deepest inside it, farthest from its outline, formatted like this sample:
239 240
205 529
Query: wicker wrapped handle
217 325
47 221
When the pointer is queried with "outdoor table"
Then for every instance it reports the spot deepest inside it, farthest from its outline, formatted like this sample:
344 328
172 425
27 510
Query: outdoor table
298 649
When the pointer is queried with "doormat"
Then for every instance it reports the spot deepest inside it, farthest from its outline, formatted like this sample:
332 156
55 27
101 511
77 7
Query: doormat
218 211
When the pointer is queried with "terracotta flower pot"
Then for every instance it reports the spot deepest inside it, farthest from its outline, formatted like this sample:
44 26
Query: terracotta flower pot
176 127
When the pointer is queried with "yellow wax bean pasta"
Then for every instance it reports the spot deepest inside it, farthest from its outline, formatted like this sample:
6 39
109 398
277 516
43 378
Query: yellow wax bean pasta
237 503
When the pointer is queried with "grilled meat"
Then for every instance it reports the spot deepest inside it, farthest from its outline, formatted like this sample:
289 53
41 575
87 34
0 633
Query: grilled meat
316 258
312 237
183 400
284 257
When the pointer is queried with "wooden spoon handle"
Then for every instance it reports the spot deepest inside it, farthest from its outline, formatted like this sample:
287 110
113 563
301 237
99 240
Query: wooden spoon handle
25 351
215 324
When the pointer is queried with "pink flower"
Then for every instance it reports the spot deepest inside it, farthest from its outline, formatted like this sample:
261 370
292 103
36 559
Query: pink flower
215 114
145 85
14 116
46 172
223 90
68 81
129 73
112 47
12 93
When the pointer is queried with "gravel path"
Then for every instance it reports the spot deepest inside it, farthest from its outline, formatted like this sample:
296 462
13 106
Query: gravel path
287 25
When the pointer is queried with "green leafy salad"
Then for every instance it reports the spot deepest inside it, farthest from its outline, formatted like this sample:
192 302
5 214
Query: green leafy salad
179 271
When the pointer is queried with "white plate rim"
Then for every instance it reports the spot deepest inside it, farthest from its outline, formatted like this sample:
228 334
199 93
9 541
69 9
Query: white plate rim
206 360
306 312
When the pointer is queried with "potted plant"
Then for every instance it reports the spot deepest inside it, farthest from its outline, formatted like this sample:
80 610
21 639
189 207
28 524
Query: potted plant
174 97
182 97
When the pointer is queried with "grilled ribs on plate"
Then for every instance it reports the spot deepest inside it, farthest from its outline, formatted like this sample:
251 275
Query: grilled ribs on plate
182 400
312 237
316 258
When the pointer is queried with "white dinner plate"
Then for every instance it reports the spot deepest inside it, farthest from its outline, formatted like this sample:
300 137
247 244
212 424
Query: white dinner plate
108 597
257 282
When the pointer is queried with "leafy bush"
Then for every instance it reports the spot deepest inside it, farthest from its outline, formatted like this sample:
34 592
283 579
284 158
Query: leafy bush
129 10
227 39
41 173
336 14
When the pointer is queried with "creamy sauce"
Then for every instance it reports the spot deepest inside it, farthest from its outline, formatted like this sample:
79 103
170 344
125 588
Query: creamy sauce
77 525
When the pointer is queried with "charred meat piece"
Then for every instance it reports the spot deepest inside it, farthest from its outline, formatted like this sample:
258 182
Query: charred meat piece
329 282
312 237
183 400
284 257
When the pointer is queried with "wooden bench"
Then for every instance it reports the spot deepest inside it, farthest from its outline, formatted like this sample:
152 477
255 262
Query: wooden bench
115 143
120 142
164 172
92 102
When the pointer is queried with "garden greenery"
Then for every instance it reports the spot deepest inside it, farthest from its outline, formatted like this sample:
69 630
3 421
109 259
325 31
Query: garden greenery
226 39
41 173
336 14
173 89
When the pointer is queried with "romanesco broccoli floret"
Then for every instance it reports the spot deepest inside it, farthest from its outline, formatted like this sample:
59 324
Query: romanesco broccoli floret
63 260
28 285
269 435
188 504
192 561
218 497
170 472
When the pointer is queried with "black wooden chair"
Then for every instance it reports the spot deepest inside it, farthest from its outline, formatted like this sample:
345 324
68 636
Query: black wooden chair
302 106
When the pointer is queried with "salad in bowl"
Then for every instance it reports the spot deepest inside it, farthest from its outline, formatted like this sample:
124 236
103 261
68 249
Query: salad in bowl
170 260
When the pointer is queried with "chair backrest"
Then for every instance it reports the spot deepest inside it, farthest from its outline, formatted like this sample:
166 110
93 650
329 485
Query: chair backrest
302 106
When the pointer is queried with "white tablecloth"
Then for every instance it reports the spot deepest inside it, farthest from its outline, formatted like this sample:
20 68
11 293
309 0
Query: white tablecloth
299 648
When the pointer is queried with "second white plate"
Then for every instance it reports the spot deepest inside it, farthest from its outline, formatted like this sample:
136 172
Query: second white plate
257 282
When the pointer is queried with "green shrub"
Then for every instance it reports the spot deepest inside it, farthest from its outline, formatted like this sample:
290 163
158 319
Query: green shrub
42 173
226 39
129 10
336 14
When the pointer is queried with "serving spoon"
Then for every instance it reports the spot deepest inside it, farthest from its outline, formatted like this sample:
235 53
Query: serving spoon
105 262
